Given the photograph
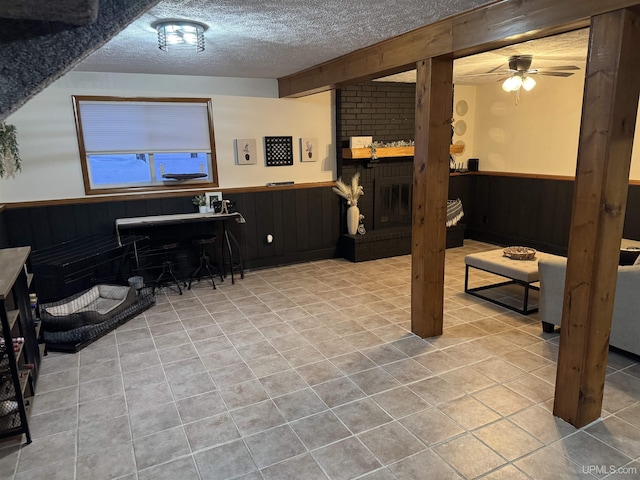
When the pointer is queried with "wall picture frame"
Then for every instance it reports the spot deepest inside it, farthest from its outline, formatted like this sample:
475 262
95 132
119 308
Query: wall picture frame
245 150
309 149
212 197
360 142
278 151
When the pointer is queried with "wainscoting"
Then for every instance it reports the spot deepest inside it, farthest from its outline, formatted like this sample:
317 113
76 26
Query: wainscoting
307 223
304 222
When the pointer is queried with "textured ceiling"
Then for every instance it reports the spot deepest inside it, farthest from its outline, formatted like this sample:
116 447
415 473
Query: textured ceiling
266 39
560 50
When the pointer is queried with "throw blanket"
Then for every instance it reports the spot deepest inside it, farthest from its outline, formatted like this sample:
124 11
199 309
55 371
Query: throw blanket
454 212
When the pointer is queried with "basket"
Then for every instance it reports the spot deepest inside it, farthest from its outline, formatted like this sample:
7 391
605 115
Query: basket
519 253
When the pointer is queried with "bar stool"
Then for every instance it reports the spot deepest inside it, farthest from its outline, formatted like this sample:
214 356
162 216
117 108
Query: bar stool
167 275
205 264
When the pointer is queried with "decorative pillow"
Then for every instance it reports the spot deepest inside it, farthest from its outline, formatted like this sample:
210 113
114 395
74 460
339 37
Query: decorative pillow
629 256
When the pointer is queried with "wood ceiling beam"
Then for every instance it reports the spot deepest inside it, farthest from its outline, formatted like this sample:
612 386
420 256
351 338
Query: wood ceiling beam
434 99
489 27
609 110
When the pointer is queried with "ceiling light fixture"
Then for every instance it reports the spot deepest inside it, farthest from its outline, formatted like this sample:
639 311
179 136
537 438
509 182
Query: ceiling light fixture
517 80
180 35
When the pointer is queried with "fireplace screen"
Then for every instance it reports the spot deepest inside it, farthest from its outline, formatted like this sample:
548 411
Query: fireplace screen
392 202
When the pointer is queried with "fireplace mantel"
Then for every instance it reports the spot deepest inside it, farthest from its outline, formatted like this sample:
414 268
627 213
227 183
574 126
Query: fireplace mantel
381 152
389 152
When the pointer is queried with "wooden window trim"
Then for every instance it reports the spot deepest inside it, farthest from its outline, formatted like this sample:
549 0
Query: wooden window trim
147 188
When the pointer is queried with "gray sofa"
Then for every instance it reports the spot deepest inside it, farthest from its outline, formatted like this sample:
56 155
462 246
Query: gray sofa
625 327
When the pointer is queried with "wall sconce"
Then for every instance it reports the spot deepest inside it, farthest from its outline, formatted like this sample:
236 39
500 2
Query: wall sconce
180 35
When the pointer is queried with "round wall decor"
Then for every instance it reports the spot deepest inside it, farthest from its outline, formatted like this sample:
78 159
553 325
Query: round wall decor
460 127
462 108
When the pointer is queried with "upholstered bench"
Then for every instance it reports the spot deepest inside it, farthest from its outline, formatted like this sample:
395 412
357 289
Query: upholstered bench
519 272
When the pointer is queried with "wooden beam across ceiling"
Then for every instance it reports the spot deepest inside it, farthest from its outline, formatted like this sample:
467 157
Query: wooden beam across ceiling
486 28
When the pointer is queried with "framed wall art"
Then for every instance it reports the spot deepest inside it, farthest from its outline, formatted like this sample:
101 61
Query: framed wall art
308 149
212 197
246 151
278 151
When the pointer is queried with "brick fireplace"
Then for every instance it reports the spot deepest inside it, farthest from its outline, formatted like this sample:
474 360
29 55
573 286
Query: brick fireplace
384 110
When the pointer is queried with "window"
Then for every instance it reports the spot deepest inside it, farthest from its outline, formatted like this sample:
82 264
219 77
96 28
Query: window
145 143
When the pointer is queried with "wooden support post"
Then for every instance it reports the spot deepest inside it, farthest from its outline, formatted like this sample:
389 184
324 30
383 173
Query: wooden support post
609 110
434 109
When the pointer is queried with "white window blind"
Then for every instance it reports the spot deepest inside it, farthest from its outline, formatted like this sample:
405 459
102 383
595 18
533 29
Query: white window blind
144 127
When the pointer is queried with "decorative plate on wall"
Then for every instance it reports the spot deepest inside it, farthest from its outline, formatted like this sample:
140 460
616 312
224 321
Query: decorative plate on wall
278 151
460 128
462 108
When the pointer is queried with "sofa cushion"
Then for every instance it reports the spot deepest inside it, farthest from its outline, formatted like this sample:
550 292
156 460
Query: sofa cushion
625 329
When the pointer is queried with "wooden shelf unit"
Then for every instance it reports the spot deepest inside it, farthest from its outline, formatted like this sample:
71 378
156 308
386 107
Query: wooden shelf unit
18 369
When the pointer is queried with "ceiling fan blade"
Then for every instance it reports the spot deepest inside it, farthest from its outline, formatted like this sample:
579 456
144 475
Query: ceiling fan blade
503 66
556 74
484 74
566 67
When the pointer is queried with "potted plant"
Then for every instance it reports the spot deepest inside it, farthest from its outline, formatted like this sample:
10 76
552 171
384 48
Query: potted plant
200 201
9 154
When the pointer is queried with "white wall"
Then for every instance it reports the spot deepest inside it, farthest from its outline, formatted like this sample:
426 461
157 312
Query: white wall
537 136
242 108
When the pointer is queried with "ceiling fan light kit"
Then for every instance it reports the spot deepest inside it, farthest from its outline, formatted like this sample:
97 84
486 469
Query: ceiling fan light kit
180 35
520 74
518 81
512 83
528 83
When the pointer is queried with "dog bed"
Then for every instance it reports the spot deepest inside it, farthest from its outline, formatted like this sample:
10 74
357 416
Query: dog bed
72 323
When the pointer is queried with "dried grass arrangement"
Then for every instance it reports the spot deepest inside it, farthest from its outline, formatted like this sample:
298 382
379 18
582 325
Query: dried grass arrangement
349 192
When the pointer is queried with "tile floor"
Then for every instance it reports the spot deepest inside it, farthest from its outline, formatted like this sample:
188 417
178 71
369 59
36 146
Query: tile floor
309 372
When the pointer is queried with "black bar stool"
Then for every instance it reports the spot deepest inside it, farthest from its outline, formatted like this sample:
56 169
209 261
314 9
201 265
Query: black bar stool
205 264
167 275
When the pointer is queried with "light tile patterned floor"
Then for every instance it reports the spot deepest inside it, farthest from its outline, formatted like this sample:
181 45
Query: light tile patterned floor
309 372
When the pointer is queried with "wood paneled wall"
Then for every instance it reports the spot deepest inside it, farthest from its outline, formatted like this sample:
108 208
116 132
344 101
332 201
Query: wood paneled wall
304 222
4 242
307 223
521 211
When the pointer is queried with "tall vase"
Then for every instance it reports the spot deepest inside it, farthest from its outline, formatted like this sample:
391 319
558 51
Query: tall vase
353 219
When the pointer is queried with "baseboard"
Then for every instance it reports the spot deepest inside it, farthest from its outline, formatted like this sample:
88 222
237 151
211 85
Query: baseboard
291 258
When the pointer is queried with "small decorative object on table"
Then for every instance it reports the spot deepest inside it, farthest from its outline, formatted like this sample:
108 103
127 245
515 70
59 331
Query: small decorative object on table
351 193
200 201
519 253
361 229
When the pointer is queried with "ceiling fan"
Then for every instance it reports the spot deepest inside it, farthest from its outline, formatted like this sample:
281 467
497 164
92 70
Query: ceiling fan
520 72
